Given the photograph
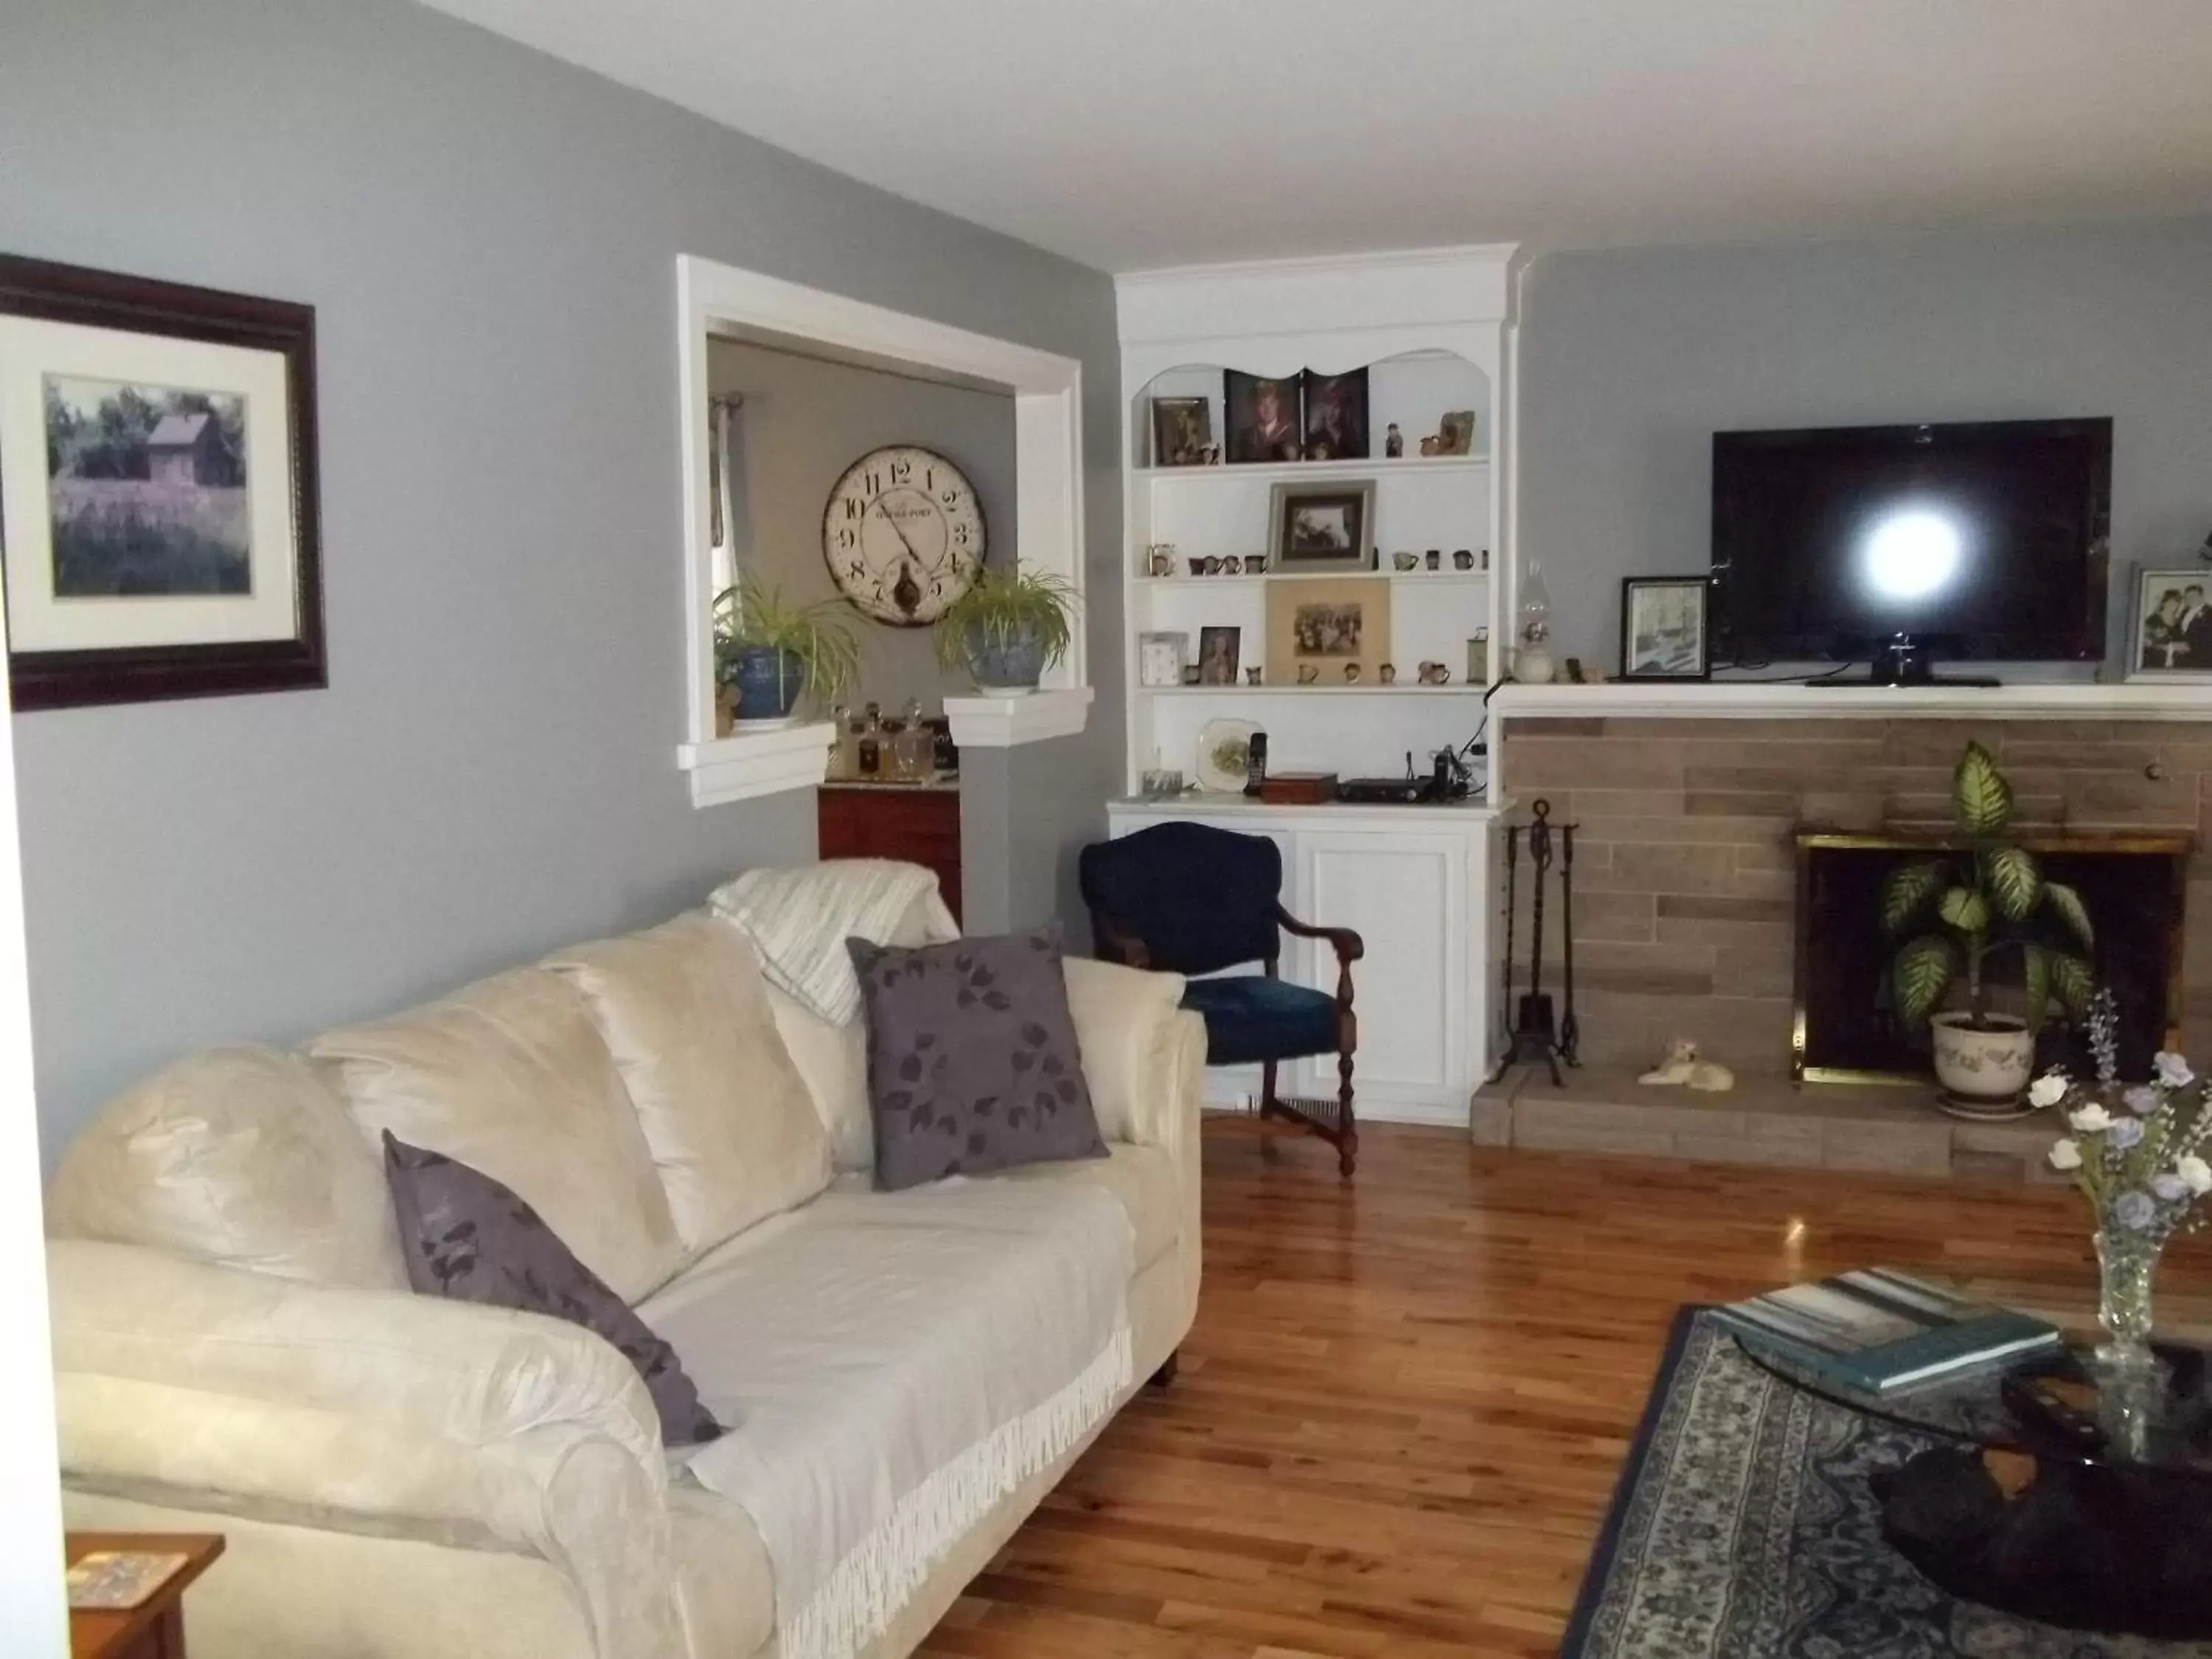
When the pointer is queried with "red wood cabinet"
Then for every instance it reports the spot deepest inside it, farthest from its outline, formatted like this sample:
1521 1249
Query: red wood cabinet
920 823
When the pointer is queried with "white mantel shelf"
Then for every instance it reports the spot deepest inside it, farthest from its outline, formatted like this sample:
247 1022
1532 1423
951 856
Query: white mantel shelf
1722 700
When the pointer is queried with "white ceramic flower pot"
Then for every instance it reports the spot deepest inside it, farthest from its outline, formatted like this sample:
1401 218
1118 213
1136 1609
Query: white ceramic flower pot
1993 1065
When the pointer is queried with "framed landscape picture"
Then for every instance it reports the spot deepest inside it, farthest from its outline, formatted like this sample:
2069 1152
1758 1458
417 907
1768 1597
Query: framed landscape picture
158 514
1662 628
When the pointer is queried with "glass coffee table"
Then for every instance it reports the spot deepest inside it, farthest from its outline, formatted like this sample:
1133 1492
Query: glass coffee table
2053 1491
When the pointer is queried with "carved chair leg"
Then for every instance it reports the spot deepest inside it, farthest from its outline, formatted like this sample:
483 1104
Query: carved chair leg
1347 1148
1165 1376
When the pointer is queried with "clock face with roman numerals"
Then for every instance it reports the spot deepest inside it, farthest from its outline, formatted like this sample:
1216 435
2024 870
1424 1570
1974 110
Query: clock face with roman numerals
903 534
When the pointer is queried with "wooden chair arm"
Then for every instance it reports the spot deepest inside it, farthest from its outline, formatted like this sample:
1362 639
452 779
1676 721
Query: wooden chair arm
1114 944
1347 945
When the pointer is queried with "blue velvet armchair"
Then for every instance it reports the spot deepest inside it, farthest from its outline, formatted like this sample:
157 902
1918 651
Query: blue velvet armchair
1188 898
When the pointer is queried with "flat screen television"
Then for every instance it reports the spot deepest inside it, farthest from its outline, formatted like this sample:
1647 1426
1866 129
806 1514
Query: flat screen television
1981 541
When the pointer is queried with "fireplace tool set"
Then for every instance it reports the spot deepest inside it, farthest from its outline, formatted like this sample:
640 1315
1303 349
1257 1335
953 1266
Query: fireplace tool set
1533 1033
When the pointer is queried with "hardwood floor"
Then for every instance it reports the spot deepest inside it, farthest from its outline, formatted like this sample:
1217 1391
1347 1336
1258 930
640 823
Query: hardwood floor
1400 1414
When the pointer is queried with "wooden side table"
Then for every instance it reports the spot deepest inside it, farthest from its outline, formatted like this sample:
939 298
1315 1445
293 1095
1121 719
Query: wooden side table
155 1629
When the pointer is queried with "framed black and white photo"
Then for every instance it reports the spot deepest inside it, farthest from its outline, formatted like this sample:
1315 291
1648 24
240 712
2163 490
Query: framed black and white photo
1183 431
1662 628
2172 636
1261 415
1335 416
1218 655
157 490
1322 527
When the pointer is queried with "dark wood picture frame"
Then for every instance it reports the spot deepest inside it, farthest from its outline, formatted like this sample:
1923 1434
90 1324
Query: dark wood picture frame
146 673
1703 668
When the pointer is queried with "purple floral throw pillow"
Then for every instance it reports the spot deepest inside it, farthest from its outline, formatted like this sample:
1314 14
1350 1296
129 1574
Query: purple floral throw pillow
973 1064
470 1238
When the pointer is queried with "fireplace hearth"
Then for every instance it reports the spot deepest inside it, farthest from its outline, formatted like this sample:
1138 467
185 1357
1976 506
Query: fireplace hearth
2133 883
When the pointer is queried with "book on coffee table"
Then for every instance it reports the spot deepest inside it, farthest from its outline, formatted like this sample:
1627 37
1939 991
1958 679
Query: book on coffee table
1878 1330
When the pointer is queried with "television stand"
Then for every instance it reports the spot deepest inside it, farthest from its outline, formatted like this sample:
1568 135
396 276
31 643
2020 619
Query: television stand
1902 660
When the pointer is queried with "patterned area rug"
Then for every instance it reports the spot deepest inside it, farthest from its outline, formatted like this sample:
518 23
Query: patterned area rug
1743 1528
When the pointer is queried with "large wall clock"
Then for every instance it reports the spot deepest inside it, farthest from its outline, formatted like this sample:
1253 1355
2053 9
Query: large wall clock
903 534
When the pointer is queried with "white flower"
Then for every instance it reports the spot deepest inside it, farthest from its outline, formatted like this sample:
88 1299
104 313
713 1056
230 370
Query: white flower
2141 1099
2065 1155
2091 1119
2047 1090
2195 1171
2172 1069
2127 1133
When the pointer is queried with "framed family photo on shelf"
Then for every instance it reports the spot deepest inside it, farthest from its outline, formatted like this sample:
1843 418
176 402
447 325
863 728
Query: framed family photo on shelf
158 500
1662 628
1262 416
2173 635
1320 527
1183 431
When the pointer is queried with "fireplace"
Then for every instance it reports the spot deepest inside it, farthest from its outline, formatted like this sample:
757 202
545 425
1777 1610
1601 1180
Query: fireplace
2133 884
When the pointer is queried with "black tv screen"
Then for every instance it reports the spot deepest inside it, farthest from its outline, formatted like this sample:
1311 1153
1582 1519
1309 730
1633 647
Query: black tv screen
1982 541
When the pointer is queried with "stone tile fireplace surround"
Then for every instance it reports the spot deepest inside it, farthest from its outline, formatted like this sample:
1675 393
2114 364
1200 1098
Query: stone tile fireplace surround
1684 868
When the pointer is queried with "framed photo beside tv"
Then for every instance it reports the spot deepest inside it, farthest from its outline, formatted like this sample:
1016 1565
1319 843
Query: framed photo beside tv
1321 527
1662 628
2172 636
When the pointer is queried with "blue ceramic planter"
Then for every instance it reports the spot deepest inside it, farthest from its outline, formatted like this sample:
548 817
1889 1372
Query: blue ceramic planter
768 682
1014 664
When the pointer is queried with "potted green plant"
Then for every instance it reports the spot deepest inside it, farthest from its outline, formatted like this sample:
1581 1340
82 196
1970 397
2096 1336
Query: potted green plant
771 652
1007 629
1959 912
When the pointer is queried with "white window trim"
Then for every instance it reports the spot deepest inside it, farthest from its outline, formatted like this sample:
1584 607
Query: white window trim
715 299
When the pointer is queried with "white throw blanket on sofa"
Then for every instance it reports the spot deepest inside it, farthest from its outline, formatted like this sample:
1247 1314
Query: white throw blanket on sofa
876 1419
798 921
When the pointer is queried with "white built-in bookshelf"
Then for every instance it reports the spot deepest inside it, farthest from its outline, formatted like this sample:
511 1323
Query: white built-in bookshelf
1431 329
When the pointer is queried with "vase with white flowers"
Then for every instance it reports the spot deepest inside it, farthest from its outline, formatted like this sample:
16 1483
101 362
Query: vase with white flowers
2137 1155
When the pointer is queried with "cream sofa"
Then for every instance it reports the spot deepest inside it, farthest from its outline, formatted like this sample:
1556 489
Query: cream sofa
402 1477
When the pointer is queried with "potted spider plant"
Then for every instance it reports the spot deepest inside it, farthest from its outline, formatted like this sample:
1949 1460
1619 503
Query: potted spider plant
1958 913
1007 629
771 652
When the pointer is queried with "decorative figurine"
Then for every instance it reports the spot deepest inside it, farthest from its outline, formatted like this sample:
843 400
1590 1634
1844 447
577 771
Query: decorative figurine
1429 446
1388 673
1405 560
1352 673
1462 560
1212 566
1163 562
1197 565
1307 673
1434 558
1252 676
1232 566
1256 564
1683 1067
1394 443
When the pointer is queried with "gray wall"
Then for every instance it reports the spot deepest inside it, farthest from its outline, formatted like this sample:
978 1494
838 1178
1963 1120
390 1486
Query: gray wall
488 237
804 422
1631 359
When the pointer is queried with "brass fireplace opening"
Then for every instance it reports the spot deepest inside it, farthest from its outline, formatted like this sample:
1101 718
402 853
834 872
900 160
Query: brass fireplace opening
2133 884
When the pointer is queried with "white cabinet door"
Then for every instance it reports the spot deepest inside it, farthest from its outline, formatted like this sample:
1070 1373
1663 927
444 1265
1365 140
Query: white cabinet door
1405 895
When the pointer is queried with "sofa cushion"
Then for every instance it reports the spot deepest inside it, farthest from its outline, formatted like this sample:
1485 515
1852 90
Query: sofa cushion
1122 1017
1249 1017
834 1059
510 1077
239 1156
1142 1179
973 1064
468 1238
731 1127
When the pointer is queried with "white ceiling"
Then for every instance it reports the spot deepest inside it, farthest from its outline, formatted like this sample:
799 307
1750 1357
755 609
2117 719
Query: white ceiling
1130 134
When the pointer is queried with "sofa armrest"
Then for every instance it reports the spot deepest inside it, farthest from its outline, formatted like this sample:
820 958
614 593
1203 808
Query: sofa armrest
216 1388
